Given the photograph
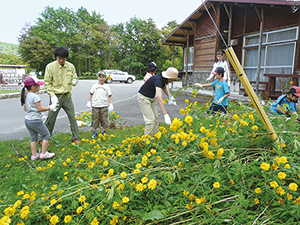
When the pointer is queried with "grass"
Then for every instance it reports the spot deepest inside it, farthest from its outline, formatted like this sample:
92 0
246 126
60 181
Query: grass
200 170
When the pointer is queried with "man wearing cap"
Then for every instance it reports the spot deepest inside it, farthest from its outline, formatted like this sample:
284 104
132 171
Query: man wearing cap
154 86
222 92
287 102
60 76
151 70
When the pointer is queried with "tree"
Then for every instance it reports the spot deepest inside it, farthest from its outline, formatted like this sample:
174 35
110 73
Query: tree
139 44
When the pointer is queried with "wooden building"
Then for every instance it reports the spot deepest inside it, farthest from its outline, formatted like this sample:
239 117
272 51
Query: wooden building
263 33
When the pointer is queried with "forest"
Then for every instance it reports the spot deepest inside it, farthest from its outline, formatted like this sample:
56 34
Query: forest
93 43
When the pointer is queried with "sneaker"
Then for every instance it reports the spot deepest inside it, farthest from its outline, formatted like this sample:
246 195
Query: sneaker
94 134
76 142
35 157
104 132
47 155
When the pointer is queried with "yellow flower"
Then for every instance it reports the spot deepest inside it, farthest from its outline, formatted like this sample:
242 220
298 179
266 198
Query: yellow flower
152 184
68 160
54 219
158 135
186 101
281 175
85 205
186 193
82 198
26 196
265 166
114 221
287 166
139 187
144 180
59 206
274 167
68 219
184 144
95 221
291 82
105 163
123 175
180 164
283 159
111 172
231 182
220 152
280 191
53 187
138 166
158 158
235 117
153 151
136 171
188 119
79 210
216 185
257 190
125 199
289 196
256 201
273 184
189 206
293 186
255 128
20 193
116 205
148 154
297 201
280 201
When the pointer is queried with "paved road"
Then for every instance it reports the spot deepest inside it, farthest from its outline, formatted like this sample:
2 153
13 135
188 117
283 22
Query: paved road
125 104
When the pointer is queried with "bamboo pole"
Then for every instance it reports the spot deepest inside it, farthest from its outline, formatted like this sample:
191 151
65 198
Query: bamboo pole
253 97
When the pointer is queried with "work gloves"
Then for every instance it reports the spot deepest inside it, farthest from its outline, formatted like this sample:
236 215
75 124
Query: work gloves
110 108
54 99
167 119
172 101
74 82
220 100
53 106
198 85
88 104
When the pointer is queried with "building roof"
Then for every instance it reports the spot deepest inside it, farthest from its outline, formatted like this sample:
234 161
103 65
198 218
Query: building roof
178 37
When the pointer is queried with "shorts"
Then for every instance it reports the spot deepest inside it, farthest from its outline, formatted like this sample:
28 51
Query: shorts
36 128
99 117
214 108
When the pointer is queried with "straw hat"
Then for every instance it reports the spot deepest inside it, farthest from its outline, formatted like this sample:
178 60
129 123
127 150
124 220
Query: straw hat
170 73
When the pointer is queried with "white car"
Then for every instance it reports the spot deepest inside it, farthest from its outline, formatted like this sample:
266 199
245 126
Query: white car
118 75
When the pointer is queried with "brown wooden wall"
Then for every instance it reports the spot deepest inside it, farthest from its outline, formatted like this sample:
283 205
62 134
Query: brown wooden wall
204 54
204 48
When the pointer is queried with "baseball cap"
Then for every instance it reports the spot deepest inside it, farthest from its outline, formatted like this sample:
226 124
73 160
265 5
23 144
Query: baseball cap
31 80
295 90
219 70
152 64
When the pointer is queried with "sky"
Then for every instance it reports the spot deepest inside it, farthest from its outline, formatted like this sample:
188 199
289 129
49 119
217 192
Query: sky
16 13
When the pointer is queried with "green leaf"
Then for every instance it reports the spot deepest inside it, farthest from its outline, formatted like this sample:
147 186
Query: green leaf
153 215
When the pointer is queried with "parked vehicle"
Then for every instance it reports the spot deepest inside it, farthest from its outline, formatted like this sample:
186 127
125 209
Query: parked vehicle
118 75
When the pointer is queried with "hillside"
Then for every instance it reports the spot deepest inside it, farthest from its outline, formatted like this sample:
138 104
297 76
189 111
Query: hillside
7 48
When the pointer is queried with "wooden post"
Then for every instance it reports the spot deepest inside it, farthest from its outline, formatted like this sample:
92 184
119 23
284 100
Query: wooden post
259 49
173 58
187 57
230 26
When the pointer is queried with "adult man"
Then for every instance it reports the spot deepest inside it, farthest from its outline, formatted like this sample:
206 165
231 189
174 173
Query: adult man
154 86
60 75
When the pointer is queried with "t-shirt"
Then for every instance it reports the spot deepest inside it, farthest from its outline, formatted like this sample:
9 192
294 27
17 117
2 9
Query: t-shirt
286 106
100 93
32 113
148 89
221 88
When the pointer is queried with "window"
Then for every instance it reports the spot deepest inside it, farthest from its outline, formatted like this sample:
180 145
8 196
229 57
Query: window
190 59
277 55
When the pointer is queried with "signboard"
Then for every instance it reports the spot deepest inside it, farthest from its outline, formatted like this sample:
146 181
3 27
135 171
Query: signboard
12 75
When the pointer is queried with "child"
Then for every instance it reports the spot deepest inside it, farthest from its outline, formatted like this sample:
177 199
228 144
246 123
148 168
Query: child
98 95
222 92
151 70
33 117
286 102
221 63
